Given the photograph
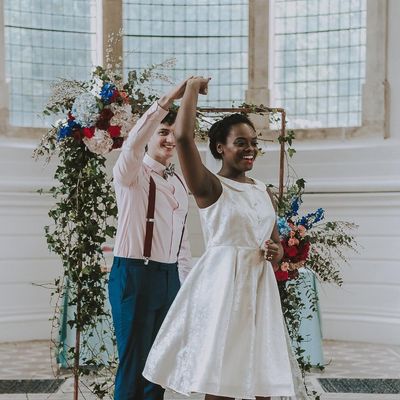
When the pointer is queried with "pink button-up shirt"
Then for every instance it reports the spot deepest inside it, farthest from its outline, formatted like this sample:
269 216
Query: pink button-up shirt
132 173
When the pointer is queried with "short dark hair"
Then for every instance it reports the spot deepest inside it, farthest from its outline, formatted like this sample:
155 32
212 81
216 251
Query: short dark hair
170 118
220 131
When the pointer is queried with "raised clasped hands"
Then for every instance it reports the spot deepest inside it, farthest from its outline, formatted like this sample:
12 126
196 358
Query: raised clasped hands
200 83
178 91
175 93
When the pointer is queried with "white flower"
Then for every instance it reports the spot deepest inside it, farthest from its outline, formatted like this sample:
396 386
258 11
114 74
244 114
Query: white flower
100 143
85 110
60 122
97 86
123 117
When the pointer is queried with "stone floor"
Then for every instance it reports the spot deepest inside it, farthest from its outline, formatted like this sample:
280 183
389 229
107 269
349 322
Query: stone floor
31 360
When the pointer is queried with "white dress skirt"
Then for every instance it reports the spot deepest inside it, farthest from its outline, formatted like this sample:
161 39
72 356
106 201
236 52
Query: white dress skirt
225 333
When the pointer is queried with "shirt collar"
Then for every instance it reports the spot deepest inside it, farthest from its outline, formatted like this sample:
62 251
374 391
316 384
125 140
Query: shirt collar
154 165
241 187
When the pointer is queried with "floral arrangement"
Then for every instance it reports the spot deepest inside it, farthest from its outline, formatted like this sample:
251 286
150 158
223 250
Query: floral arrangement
96 116
99 113
310 242
295 241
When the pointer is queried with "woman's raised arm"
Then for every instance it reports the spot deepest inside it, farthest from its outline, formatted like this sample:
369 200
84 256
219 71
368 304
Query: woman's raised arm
204 185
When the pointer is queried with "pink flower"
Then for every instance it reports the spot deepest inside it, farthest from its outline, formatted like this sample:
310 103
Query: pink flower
292 233
284 266
293 242
302 230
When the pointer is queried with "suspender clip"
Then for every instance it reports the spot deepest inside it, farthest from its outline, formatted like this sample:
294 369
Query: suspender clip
146 261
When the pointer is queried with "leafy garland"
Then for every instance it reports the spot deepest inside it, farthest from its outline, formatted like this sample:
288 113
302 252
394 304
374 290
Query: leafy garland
81 216
317 246
100 112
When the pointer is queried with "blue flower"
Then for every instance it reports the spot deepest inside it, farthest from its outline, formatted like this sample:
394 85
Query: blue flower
311 219
283 227
295 205
72 123
64 132
107 92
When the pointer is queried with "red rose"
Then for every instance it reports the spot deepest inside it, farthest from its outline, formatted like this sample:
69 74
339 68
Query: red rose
106 114
117 142
293 274
304 251
104 119
70 116
89 132
281 275
103 124
114 130
291 251
114 96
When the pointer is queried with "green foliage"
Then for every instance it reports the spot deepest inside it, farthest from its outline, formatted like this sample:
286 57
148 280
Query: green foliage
83 218
329 242
284 204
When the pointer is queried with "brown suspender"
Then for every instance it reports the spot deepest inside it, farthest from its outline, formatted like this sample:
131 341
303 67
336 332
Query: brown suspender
184 222
148 239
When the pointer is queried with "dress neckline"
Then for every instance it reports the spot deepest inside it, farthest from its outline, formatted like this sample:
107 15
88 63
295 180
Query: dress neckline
241 186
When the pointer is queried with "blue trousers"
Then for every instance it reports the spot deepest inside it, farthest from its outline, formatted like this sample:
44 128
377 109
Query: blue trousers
140 296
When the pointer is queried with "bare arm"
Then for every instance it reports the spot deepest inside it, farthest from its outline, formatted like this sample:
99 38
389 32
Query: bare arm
204 185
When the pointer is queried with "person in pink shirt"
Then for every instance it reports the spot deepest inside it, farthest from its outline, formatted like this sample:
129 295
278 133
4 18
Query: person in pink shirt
151 253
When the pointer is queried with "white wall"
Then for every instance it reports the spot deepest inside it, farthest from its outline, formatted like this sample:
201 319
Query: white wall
24 259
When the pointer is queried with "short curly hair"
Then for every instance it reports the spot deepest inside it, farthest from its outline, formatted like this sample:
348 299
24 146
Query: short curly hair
170 118
219 131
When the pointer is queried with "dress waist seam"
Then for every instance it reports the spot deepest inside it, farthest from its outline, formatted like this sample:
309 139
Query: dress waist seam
236 247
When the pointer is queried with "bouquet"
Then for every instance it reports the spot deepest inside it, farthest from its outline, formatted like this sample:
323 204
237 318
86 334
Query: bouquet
308 241
296 242
98 113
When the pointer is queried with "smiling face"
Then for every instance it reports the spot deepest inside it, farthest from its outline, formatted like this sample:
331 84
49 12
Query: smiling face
162 144
240 149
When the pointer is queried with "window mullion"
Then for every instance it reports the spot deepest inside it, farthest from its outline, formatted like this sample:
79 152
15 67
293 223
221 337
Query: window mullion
111 27
4 97
258 64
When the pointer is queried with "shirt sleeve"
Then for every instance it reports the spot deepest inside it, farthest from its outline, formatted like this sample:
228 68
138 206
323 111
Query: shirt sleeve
130 160
184 258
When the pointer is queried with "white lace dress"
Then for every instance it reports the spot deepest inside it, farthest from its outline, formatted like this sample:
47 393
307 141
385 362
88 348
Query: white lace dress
224 333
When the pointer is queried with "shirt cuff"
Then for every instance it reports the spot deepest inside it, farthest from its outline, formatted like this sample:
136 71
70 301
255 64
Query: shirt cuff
145 126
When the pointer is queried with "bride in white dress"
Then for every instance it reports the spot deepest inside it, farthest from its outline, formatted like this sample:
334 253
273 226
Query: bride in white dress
224 335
